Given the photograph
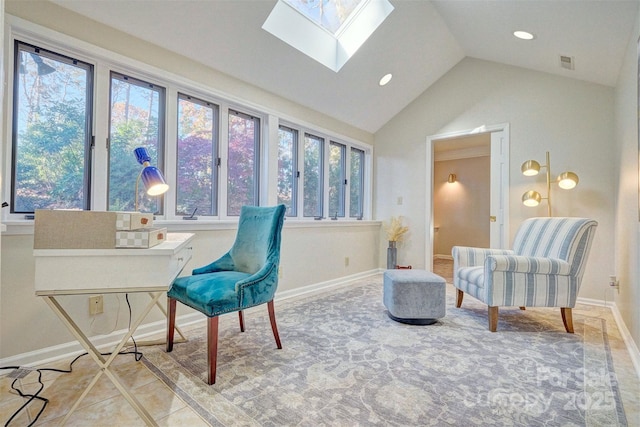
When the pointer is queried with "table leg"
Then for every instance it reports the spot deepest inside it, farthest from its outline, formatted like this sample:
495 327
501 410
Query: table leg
103 363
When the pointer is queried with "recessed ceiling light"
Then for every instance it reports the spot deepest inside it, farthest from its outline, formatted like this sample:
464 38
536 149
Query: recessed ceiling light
524 35
385 79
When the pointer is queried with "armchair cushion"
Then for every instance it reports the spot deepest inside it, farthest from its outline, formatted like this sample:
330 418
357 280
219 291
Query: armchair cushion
210 293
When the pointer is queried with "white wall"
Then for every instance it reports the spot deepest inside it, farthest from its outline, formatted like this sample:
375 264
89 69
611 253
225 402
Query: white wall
571 119
626 236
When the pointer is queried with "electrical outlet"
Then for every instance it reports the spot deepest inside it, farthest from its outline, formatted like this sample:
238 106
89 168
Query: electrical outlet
96 305
346 261
613 282
280 273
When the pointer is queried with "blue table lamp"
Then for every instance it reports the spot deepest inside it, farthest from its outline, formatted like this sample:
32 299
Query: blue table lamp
151 176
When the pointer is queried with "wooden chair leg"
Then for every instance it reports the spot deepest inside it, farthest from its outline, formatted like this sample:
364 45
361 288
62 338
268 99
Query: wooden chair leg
493 319
459 296
567 319
274 327
171 322
212 347
241 318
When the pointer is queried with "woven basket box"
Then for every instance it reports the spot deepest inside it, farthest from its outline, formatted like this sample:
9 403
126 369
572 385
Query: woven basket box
142 238
75 229
133 220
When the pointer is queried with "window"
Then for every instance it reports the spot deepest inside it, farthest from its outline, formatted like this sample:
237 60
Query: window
337 179
197 165
288 169
313 176
77 117
356 184
52 116
243 162
136 120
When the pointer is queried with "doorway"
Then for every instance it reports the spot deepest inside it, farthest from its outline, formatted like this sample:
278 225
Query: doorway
492 142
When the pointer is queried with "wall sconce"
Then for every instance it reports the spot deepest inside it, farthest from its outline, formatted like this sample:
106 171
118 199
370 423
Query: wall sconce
151 176
566 181
452 178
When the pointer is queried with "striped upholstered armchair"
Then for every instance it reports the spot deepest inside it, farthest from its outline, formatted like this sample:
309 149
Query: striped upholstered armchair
544 269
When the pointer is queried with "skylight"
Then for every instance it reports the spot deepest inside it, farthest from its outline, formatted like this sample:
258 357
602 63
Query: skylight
329 31
329 14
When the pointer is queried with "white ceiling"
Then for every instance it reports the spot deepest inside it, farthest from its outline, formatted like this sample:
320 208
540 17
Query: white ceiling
419 42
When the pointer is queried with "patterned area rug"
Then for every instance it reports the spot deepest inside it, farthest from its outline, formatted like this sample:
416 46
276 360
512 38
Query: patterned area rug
345 363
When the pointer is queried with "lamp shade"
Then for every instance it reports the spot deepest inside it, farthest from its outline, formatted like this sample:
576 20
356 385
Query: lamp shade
531 198
530 168
154 181
567 180
452 178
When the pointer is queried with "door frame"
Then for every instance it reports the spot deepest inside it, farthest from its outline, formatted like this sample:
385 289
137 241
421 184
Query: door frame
499 160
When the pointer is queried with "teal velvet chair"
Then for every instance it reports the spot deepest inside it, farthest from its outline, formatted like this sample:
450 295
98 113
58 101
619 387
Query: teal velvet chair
244 277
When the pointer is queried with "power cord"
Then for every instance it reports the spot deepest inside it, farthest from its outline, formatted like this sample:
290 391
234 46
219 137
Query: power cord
138 355
22 372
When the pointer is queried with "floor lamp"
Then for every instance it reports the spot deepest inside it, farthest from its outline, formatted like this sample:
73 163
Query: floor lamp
566 181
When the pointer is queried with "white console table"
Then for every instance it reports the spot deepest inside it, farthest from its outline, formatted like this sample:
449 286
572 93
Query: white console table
102 271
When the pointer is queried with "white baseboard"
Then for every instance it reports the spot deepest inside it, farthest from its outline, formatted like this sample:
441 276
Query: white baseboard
325 286
105 343
632 348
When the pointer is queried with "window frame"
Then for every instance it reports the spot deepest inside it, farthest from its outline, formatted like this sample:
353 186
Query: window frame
89 117
257 155
295 184
349 144
322 176
216 159
159 161
104 61
342 183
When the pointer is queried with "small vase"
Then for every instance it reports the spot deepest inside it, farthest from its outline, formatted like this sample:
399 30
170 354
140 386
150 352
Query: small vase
392 255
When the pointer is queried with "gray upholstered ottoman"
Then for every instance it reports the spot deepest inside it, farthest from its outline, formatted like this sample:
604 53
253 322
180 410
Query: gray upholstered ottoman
417 297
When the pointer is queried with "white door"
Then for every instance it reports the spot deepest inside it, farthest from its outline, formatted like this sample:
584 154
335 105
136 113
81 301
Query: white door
497 238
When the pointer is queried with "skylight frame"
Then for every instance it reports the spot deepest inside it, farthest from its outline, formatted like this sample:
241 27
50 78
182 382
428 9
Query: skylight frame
300 32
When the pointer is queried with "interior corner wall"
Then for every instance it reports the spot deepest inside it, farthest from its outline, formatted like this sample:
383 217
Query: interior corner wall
461 209
627 230
571 119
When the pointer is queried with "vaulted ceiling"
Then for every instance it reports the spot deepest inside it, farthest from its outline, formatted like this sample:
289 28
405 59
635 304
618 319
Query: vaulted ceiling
418 43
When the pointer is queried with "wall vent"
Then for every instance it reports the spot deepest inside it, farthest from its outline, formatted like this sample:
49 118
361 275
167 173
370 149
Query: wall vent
566 62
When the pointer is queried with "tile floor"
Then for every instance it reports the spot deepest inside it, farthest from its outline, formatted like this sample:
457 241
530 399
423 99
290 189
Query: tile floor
104 406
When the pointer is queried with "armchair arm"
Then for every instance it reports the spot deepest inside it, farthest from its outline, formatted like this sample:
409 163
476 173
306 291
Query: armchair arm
224 263
260 287
465 256
527 264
